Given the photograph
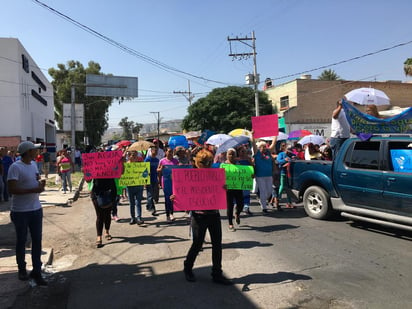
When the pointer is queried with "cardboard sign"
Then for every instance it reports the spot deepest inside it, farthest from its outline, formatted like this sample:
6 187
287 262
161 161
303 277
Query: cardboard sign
238 177
402 160
199 189
267 125
135 174
106 164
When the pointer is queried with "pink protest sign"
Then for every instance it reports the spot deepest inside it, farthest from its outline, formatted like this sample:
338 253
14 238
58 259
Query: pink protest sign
199 189
266 125
106 164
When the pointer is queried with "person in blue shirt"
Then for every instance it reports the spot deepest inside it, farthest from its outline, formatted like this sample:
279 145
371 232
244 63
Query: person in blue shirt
262 155
284 157
152 190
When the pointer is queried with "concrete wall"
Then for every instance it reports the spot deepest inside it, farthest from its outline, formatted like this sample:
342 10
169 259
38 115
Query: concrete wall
23 116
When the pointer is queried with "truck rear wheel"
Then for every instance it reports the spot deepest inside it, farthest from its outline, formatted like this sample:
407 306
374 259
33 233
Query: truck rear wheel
317 203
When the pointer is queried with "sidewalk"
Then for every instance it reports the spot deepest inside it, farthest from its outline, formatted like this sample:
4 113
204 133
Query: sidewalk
10 286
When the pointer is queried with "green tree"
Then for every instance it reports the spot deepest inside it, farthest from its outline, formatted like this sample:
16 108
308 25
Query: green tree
95 108
329 74
225 109
136 129
407 67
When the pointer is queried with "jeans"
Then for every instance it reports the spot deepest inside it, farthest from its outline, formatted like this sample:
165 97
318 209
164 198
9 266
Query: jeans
152 192
135 199
32 221
67 180
40 167
236 195
335 144
201 223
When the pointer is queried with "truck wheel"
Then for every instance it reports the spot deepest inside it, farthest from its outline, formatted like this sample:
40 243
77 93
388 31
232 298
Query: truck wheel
316 202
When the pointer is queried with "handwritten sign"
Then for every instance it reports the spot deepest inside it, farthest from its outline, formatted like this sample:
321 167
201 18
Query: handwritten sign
402 160
267 125
238 177
135 174
106 164
199 189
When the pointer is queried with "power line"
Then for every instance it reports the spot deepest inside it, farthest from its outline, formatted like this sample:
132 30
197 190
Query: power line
344 61
125 48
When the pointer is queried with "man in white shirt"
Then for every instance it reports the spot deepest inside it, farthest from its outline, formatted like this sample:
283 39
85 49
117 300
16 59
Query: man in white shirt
160 152
340 128
26 211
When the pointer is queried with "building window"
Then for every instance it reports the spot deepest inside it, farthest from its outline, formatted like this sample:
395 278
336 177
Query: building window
284 102
38 81
25 63
38 97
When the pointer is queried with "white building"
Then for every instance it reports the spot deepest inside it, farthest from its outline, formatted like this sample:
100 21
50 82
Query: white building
26 98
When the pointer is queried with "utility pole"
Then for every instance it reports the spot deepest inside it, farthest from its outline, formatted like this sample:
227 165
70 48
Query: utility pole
187 94
158 123
250 79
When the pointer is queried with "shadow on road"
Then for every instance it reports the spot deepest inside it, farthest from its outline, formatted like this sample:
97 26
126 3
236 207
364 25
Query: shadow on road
278 277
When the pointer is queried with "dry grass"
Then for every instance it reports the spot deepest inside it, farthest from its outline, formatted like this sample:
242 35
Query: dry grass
76 178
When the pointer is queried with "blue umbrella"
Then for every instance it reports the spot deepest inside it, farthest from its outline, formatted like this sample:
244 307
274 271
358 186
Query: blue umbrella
233 143
178 140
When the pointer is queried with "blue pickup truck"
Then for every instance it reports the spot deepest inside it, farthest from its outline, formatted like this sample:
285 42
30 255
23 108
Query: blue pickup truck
368 180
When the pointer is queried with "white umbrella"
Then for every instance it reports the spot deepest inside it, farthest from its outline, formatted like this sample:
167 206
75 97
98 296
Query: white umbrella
314 139
281 136
367 96
217 139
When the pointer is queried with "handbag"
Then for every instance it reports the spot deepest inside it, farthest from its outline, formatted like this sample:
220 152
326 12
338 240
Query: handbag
104 199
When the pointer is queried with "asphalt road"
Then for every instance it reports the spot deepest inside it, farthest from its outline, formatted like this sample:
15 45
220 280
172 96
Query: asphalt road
280 260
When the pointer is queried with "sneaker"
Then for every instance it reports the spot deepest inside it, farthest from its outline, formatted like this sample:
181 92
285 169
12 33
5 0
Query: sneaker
140 221
116 218
23 276
132 221
38 279
231 228
189 275
220 279
172 218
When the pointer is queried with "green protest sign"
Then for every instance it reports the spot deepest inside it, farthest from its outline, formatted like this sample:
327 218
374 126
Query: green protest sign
238 177
135 174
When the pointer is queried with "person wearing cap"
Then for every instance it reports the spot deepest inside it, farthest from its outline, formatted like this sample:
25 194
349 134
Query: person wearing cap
160 152
26 211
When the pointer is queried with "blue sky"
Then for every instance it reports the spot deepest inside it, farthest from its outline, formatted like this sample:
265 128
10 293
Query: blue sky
292 36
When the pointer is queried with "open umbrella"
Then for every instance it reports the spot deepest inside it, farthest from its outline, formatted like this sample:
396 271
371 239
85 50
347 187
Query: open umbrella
217 139
237 132
233 143
178 140
124 143
314 139
299 134
140 146
281 136
367 96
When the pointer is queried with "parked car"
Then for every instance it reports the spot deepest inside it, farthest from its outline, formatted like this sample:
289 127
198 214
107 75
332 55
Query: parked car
368 180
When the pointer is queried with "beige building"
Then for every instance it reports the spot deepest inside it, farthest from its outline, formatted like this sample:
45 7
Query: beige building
307 103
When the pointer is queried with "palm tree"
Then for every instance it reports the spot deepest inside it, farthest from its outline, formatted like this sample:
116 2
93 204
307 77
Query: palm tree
329 74
407 67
